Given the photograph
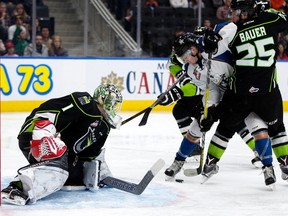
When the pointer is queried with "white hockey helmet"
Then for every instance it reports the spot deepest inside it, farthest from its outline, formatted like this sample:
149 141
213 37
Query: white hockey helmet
110 99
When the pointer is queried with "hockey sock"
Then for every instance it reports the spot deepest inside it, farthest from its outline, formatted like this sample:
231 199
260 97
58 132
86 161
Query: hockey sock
186 148
247 137
264 149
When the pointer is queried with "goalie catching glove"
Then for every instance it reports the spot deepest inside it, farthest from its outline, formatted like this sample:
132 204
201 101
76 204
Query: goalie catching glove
46 143
173 95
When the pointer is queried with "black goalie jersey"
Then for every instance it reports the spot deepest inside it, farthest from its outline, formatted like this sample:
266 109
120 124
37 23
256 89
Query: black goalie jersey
254 52
78 119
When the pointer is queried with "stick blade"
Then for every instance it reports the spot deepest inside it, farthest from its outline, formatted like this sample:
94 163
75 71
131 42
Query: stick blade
145 117
133 188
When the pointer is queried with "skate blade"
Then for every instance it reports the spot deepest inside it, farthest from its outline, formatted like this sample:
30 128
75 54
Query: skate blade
272 187
205 178
169 178
16 201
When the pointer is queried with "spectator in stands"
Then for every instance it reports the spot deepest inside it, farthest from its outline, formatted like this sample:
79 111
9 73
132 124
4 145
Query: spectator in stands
285 40
179 3
3 33
178 32
122 7
41 49
194 4
277 4
10 4
16 27
37 26
19 10
111 5
5 19
45 32
21 42
56 48
10 51
151 3
223 11
128 21
281 52
284 7
207 22
214 3
2 48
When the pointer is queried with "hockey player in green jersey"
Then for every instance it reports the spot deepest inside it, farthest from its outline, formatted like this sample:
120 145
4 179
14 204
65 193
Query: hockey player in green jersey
254 90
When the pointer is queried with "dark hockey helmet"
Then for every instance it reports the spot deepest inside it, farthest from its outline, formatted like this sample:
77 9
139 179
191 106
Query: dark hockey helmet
262 6
248 6
110 99
184 42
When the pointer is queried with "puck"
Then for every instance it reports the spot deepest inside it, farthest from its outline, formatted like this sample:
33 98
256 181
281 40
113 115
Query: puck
179 180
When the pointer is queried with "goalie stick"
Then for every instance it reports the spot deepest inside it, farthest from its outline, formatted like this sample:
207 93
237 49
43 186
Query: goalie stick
159 99
133 188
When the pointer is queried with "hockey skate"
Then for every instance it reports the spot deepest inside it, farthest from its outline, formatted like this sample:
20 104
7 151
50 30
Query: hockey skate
284 170
14 196
256 161
209 171
175 168
269 176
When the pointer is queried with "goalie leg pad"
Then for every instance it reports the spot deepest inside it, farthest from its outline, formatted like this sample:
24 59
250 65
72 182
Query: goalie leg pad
91 171
104 169
41 181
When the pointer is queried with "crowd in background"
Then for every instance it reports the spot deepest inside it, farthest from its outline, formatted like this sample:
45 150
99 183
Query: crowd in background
16 32
16 24
125 12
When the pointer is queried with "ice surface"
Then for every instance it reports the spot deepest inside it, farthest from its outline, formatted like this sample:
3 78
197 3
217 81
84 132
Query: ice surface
238 189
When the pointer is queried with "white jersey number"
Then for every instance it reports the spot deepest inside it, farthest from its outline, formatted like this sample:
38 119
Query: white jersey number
251 59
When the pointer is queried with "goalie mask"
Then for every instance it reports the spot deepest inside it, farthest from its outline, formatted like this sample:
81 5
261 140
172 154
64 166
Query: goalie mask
110 99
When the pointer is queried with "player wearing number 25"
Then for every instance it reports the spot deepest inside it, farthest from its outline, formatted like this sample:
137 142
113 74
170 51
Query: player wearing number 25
254 88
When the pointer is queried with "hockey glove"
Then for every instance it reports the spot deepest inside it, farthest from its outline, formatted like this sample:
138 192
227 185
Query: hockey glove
46 143
173 95
210 41
206 123
199 31
175 67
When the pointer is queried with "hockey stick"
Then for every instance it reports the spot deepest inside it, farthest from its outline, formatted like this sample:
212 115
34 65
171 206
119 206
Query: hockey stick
134 116
133 188
206 95
159 99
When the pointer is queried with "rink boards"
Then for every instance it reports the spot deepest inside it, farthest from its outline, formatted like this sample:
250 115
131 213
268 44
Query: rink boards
27 82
